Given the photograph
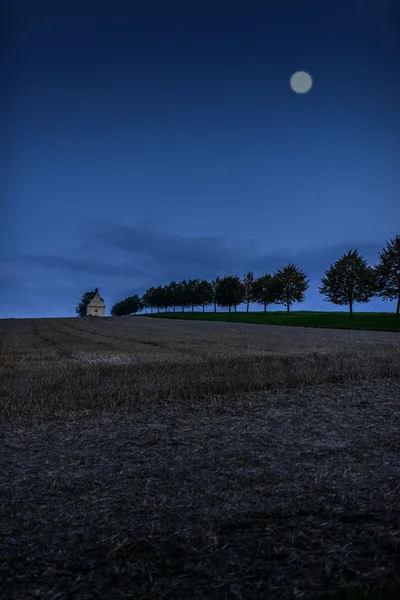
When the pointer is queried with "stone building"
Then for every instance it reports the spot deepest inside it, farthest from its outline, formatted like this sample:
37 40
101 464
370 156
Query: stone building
96 307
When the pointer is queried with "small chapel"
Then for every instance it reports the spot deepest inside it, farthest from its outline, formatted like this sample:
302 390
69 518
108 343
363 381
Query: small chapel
96 307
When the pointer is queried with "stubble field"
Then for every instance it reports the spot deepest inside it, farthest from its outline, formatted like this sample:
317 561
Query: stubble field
151 458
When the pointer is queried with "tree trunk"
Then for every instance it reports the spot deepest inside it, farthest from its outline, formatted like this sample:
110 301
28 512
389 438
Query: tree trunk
235 307
183 309
203 307
351 308
398 305
215 307
248 302
265 307
174 307
288 308
229 308
192 307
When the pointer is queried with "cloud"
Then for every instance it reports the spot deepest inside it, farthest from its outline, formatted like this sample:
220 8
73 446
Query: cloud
84 265
164 247
201 255
173 256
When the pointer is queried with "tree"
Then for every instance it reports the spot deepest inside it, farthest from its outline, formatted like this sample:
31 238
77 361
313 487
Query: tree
229 292
214 285
387 272
205 293
238 292
166 297
290 285
264 290
172 292
248 281
193 292
349 280
86 298
184 294
147 300
158 297
129 306
220 293
153 298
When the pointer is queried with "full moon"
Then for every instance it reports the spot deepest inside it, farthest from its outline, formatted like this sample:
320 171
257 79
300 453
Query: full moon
301 82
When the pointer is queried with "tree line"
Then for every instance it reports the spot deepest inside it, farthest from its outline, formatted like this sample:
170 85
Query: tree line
347 281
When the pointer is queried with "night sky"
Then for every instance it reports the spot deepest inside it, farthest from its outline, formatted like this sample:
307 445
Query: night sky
142 145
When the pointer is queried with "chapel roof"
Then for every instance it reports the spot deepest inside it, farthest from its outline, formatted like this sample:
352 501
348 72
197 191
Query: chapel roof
96 301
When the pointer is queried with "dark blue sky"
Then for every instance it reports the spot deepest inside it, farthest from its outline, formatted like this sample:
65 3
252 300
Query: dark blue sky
149 144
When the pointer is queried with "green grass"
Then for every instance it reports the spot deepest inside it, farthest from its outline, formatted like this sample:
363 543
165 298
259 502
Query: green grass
327 320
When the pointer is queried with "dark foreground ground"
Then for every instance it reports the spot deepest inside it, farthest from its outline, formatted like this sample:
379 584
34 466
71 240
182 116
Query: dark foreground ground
156 459
266 495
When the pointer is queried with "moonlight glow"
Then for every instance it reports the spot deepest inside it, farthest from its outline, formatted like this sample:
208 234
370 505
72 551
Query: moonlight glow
301 82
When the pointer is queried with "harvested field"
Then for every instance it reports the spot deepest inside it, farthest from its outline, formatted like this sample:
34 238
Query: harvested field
150 458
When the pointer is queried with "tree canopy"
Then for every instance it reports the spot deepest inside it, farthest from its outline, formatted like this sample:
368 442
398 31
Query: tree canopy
129 306
387 272
289 286
229 292
349 280
263 290
248 283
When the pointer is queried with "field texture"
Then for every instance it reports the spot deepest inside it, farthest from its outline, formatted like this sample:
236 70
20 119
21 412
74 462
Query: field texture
150 458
